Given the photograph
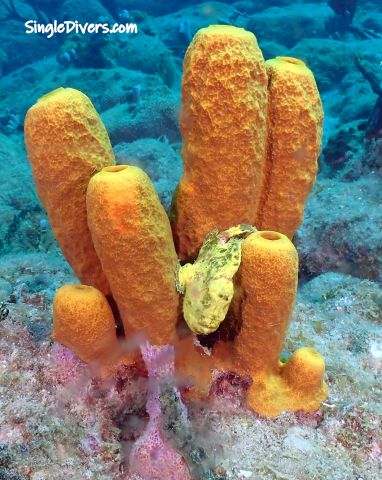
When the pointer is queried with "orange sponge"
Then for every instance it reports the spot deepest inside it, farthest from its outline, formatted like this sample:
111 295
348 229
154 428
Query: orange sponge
268 279
223 124
83 321
132 237
294 141
268 283
67 143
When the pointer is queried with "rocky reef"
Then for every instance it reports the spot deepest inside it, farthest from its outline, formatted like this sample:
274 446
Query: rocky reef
64 418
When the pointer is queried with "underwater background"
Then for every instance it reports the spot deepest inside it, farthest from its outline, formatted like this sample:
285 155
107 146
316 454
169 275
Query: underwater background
59 422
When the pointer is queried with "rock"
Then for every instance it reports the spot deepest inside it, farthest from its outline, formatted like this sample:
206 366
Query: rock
298 439
18 198
330 60
105 87
326 286
154 117
288 25
84 11
370 20
153 7
5 290
342 230
149 55
373 155
340 147
247 6
250 6
363 99
176 30
14 39
272 49
119 87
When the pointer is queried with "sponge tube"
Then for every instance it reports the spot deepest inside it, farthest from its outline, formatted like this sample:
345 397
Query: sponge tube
132 236
268 279
294 141
268 283
223 124
67 143
83 321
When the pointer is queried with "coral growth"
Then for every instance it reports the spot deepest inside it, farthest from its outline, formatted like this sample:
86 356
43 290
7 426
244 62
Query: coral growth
59 419
46 392
235 172
119 238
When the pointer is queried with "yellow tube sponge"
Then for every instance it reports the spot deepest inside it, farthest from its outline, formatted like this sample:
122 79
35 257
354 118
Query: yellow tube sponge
83 321
268 285
268 278
67 143
223 124
294 142
132 236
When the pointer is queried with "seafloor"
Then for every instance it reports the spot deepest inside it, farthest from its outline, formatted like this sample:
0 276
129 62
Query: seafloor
57 420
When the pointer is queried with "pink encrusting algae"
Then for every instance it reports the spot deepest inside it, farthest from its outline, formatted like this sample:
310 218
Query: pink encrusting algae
152 457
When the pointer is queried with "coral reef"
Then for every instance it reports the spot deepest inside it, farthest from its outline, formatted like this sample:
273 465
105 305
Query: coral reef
62 418
49 392
296 20
131 239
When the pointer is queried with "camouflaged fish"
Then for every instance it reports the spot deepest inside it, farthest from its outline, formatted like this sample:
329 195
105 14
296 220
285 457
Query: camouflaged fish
207 284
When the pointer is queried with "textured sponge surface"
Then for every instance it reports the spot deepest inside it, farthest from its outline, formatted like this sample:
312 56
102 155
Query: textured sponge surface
268 279
132 236
83 322
67 143
223 124
294 142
